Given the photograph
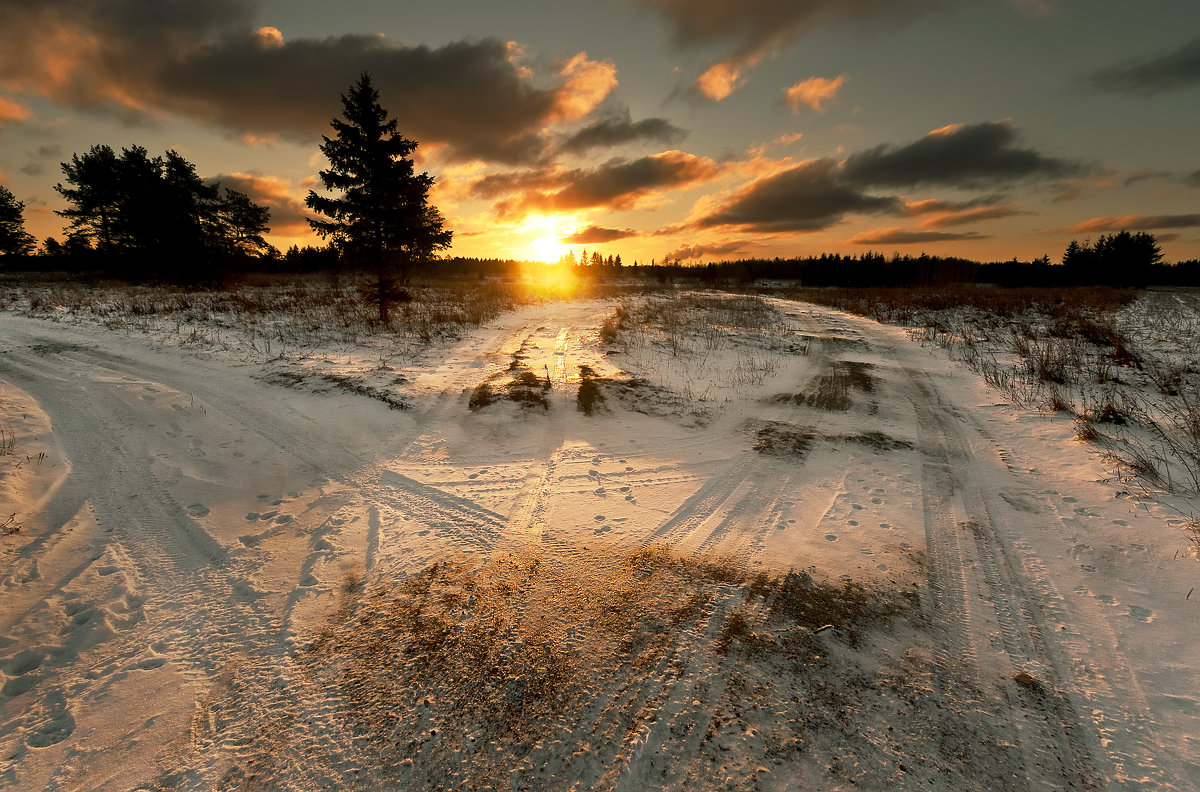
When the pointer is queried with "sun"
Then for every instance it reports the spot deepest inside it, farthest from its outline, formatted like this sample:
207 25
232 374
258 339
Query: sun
546 249
546 233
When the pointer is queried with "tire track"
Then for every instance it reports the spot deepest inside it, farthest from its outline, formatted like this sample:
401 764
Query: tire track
967 562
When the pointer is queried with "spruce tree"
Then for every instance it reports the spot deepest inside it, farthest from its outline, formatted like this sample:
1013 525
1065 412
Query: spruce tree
382 220
14 239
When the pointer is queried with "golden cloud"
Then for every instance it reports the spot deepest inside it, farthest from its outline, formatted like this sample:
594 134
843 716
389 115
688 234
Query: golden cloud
813 92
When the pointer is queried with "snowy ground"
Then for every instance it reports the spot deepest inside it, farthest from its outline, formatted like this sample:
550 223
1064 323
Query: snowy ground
225 572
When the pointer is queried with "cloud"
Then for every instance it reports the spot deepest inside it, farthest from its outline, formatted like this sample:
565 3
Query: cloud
810 196
934 205
585 85
904 236
689 252
471 96
495 185
207 61
595 235
960 155
1179 68
1138 222
618 184
720 80
1192 179
968 216
1145 175
813 92
760 25
755 29
618 128
10 111
288 213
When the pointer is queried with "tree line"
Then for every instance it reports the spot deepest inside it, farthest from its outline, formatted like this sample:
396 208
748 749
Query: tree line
141 216
134 215
137 215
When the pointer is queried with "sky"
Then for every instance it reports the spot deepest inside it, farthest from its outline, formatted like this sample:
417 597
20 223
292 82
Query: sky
690 130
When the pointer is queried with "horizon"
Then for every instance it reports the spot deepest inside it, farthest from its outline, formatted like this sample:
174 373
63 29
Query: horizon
649 129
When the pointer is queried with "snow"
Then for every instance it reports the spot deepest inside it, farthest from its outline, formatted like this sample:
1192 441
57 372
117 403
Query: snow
234 571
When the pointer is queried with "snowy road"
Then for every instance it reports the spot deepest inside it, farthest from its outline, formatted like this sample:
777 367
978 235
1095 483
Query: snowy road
186 604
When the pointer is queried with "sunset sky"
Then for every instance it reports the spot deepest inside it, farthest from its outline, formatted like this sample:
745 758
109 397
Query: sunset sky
697 130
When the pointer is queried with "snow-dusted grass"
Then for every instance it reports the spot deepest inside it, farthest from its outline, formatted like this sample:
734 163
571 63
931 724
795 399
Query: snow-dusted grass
1123 363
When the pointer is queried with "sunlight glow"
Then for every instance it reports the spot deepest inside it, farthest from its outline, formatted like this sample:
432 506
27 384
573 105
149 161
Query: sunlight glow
546 232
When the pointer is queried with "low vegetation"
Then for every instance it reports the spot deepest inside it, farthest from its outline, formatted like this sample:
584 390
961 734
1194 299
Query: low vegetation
1121 362
486 668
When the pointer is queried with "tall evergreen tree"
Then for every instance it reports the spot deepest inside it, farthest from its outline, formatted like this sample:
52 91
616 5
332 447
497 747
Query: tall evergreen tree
382 220
14 239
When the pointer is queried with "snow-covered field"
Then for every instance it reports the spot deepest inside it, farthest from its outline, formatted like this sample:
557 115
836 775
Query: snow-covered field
787 548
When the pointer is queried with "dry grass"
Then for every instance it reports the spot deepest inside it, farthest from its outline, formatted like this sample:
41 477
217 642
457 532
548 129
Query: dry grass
473 669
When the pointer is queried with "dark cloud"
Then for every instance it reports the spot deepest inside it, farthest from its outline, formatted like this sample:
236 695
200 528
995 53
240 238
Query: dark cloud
1137 222
619 184
810 196
1170 71
36 165
968 216
755 25
495 185
467 94
1145 175
619 128
1192 179
935 205
904 236
207 61
756 28
596 235
957 156
690 252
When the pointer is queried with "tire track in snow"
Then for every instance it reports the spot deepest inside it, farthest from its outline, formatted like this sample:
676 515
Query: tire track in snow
978 602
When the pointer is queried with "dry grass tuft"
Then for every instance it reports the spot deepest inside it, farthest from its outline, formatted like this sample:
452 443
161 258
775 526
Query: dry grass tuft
480 666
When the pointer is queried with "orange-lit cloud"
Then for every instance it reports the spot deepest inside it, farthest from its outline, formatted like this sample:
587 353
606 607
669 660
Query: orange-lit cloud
269 38
586 83
968 216
813 92
720 80
1136 222
615 185
11 111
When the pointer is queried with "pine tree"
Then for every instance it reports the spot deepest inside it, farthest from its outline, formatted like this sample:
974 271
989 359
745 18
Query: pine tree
14 239
382 220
